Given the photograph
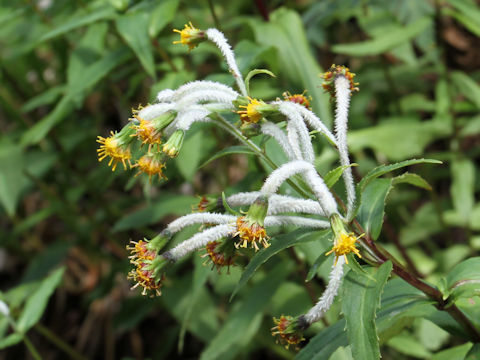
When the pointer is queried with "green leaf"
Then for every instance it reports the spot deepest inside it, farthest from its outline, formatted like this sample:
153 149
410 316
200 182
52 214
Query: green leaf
412 179
163 13
279 243
37 302
464 279
361 298
468 14
133 28
45 98
407 344
242 324
474 353
10 340
254 72
12 179
372 209
454 353
384 42
285 32
333 175
463 188
357 268
193 149
79 19
467 86
167 205
237 149
316 265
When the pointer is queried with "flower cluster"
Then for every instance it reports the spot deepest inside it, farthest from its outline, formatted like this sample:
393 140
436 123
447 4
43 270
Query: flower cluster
156 132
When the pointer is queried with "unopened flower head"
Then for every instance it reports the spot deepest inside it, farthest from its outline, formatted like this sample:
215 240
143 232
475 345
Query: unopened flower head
254 111
250 228
298 99
220 254
150 131
343 243
289 329
209 203
190 36
116 147
151 164
174 143
332 73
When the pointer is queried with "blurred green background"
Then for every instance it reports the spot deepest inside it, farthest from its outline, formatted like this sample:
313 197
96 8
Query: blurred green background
72 70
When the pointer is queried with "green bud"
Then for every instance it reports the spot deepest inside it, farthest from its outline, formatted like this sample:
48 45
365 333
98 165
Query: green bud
258 211
174 143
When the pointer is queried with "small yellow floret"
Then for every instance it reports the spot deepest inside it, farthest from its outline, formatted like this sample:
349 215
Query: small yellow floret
344 244
251 114
151 166
146 132
189 35
250 233
112 147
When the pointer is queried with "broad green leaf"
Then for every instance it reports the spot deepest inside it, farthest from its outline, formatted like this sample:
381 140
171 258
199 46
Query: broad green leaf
467 87
193 148
316 265
333 175
10 340
242 324
134 30
372 209
464 279
454 353
386 41
79 19
166 205
163 13
285 32
236 149
468 14
37 302
357 268
412 179
407 344
385 138
12 179
278 243
463 188
474 353
430 335
361 298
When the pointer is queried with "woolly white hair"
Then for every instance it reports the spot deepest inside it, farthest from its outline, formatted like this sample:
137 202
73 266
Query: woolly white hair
270 129
150 112
326 300
198 218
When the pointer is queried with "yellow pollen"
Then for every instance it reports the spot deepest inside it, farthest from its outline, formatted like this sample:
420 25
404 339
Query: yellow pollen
112 147
147 164
251 114
250 233
187 35
146 132
345 244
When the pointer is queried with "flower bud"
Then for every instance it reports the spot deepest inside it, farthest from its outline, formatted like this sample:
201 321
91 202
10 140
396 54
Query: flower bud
116 147
174 143
332 73
289 329
190 36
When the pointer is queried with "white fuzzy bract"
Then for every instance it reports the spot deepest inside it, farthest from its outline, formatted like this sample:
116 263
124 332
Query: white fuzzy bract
270 129
199 218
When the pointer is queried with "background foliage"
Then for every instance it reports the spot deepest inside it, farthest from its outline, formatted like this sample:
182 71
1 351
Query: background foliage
71 70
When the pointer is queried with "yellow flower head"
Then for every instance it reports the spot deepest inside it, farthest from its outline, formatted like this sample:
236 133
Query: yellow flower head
143 274
219 255
332 73
114 148
146 132
190 36
288 330
297 98
251 114
151 165
344 244
250 232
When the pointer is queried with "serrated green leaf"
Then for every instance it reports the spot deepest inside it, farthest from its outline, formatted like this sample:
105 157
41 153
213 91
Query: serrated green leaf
372 209
242 324
168 204
464 279
133 28
361 298
333 175
412 179
385 41
37 302
278 243
237 149
163 13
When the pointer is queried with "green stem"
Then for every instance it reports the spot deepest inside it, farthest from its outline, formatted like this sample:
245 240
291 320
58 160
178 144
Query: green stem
33 351
56 340
214 15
